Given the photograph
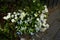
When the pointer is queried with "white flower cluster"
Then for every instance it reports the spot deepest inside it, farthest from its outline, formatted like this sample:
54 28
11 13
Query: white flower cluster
26 21
7 17
42 21
15 15
45 10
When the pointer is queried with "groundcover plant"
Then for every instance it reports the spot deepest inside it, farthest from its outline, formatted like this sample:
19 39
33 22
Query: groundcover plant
29 20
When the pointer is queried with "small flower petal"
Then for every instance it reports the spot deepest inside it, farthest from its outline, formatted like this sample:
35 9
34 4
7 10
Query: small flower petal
12 20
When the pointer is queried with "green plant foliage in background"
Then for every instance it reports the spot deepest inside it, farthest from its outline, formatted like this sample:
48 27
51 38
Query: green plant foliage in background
14 5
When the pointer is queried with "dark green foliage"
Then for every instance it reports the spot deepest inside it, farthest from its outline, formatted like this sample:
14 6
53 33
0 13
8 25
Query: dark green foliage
14 5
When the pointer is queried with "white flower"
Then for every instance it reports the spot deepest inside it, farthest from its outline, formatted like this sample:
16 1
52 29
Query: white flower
20 10
47 25
28 19
43 29
22 39
42 16
25 21
5 18
12 16
16 27
32 33
14 12
39 12
44 24
46 10
35 15
9 14
43 11
15 17
22 15
44 21
38 19
12 20
40 24
18 13
23 28
37 29
35 25
45 15
20 22
8 17
45 6
34 1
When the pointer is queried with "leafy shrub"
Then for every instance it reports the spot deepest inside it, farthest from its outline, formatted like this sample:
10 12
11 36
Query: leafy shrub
30 17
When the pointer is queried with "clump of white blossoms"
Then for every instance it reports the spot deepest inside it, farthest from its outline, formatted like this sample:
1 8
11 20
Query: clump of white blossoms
7 17
29 23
